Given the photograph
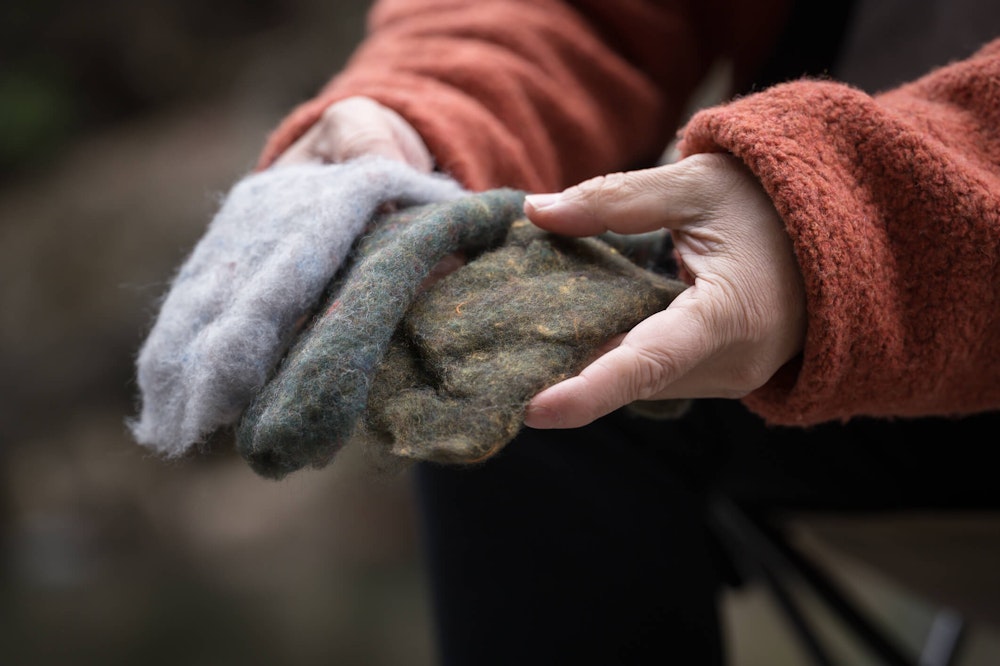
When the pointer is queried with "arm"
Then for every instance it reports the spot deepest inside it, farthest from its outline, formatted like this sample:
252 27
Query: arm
869 287
893 207
537 94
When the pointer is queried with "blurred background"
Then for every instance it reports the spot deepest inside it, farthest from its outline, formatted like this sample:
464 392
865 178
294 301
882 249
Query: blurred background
121 124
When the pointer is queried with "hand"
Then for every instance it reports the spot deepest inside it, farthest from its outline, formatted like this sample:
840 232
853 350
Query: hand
743 317
359 126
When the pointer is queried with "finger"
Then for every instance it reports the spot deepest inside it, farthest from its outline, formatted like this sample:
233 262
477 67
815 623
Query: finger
368 127
634 201
358 127
602 387
362 142
649 359
325 146
301 152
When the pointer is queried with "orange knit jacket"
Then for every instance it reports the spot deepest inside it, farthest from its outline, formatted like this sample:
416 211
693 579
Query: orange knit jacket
892 201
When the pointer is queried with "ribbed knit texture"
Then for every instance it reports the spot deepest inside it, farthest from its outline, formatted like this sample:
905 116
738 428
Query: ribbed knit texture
893 205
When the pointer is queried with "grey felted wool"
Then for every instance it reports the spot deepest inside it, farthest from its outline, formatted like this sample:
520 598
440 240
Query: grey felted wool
259 270
308 411
445 374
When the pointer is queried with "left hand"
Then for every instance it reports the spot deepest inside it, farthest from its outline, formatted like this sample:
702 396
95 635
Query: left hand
743 317
355 127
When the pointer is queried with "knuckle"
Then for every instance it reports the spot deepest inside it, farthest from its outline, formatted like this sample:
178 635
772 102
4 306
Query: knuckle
651 372
332 112
367 140
710 161
333 115
747 377
599 188
597 196
347 106
720 176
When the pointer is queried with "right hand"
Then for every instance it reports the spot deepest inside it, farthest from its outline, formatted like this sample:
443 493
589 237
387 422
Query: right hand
359 126
742 318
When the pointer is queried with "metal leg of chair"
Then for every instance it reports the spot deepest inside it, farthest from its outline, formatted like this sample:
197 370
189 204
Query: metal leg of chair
944 639
775 554
733 531
795 616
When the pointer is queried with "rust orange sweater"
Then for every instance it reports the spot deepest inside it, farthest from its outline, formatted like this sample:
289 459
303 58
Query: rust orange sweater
892 200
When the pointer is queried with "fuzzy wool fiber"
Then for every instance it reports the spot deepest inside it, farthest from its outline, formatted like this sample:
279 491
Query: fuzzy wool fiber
476 348
444 374
309 410
255 276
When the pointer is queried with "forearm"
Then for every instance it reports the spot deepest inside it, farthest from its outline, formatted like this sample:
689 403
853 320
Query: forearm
893 206
534 94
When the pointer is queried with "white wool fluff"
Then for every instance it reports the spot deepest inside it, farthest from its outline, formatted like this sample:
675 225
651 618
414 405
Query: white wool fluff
261 267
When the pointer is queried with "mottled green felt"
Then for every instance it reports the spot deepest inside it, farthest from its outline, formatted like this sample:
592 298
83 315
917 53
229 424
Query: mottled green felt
309 409
444 374
473 350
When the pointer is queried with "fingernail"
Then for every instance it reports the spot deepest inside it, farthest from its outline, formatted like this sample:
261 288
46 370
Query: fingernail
539 201
540 417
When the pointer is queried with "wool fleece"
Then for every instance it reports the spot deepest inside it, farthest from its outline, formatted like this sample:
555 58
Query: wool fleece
255 276
444 373
474 349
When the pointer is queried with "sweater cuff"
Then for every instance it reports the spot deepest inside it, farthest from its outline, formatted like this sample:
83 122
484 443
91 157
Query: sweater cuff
869 198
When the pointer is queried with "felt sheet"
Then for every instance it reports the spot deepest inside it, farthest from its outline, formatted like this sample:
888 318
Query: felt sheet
474 349
444 374
256 275
309 410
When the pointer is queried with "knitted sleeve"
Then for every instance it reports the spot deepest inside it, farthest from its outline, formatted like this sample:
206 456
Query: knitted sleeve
893 205
539 94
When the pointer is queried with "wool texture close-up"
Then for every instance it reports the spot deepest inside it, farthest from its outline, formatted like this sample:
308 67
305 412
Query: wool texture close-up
254 277
476 347
444 373
308 411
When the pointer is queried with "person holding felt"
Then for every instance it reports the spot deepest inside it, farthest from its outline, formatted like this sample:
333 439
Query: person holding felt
836 220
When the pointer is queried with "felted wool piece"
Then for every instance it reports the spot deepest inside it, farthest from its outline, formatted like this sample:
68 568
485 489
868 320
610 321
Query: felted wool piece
445 374
474 349
309 410
259 270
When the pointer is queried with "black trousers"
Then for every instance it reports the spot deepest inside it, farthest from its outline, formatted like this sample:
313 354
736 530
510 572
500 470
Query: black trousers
593 546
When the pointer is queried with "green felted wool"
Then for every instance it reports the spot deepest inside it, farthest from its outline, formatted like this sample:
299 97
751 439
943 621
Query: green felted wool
476 347
310 408
445 374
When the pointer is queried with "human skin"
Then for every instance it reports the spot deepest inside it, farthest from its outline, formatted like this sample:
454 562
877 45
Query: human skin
359 126
890 198
742 318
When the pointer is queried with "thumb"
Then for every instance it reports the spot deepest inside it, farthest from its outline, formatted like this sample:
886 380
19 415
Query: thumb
651 358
